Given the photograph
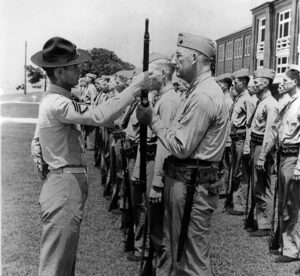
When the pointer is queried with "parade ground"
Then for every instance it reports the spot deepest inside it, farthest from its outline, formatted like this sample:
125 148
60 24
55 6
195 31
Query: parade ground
100 252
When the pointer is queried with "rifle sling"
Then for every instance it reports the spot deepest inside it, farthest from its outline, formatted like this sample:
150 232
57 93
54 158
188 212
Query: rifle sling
190 191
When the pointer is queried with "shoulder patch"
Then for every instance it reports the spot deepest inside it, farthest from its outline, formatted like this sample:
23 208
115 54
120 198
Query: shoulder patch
80 108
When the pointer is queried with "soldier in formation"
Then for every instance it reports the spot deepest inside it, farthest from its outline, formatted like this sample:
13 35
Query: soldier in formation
215 136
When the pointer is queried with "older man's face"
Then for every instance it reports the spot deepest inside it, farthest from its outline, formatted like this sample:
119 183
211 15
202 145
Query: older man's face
183 62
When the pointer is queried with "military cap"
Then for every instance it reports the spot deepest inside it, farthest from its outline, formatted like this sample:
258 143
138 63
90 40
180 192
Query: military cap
242 73
90 75
199 43
264 73
82 80
155 56
294 67
224 77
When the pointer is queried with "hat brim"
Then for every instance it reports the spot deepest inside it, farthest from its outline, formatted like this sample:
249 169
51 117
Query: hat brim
83 56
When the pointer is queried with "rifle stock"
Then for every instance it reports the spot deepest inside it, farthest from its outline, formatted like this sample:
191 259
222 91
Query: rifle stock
275 238
129 245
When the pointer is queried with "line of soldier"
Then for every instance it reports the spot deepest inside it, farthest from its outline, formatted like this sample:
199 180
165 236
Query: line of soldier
192 137
262 117
254 105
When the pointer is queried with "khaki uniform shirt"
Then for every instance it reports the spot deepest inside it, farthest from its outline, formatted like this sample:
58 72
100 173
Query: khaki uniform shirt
289 126
264 117
58 130
229 103
242 110
165 106
200 128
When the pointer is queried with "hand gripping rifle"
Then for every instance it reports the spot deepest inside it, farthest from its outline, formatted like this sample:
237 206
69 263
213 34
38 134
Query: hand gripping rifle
143 140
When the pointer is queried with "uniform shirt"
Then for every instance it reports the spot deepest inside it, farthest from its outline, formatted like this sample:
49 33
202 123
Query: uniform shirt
289 127
133 128
200 128
228 100
58 127
242 109
264 117
229 103
165 106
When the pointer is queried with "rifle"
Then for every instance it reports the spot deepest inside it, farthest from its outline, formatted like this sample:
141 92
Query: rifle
143 139
115 199
128 114
129 245
250 221
229 196
275 239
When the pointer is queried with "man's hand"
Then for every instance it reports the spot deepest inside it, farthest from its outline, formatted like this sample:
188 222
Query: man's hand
42 170
142 82
260 165
296 175
155 194
144 114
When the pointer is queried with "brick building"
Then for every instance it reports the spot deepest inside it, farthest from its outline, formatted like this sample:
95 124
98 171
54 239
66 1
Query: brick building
273 40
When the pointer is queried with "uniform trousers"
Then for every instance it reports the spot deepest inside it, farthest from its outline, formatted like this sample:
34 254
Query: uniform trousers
62 201
240 175
289 205
261 181
195 259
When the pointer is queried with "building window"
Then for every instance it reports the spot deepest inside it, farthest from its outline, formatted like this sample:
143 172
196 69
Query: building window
261 35
284 29
282 64
238 48
221 52
247 45
260 63
261 30
284 24
228 51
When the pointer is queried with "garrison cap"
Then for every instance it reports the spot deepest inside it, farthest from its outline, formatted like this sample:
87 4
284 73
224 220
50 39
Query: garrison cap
294 67
155 56
90 75
199 43
82 80
264 73
242 73
222 77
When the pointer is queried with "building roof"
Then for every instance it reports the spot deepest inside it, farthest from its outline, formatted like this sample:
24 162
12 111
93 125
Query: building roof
233 33
263 4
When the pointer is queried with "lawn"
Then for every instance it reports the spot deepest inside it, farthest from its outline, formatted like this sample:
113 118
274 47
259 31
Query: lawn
100 252
19 110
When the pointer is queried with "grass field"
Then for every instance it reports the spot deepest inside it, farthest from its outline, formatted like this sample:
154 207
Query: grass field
234 253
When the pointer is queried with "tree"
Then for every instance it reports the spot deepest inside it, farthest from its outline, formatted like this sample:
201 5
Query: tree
105 62
34 73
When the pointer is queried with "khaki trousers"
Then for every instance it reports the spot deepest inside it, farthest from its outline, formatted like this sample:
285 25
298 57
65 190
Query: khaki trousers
289 205
62 202
240 175
195 259
262 189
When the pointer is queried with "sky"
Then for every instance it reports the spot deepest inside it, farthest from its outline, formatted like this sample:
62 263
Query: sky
117 25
